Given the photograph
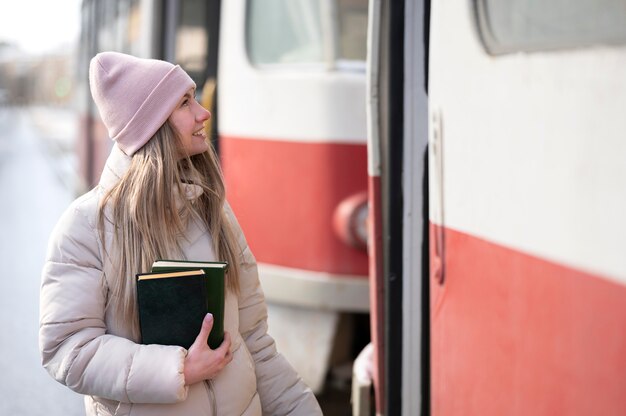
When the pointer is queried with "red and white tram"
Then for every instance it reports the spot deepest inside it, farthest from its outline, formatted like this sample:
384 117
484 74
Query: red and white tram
292 140
520 108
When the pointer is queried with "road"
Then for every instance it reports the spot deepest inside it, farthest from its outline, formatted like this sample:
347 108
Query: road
32 197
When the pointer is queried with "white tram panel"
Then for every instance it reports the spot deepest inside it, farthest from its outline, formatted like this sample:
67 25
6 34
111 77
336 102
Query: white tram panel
291 92
541 169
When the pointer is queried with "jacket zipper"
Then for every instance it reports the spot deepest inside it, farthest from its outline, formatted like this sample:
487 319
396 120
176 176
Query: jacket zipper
209 386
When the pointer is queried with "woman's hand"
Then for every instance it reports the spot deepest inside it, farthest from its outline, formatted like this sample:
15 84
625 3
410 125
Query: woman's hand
203 363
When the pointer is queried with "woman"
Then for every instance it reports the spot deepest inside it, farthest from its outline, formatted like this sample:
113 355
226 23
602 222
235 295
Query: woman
161 195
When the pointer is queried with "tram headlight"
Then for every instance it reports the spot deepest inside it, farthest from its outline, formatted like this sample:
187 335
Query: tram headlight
350 220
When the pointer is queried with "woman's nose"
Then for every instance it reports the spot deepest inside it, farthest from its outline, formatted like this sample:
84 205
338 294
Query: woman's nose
203 114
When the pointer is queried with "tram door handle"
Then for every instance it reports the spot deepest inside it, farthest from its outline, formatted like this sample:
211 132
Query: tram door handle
438 227
438 264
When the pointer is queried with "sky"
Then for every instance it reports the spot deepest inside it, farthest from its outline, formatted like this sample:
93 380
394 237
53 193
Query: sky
38 26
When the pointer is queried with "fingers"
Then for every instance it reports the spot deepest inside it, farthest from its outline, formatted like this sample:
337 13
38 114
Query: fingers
203 363
224 348
205 330
225 345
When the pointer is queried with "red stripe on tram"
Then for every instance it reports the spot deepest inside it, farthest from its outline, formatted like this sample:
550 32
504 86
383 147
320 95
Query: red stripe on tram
284 194
518 335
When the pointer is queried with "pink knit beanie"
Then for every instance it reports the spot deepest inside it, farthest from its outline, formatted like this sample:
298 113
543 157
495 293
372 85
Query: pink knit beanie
135 96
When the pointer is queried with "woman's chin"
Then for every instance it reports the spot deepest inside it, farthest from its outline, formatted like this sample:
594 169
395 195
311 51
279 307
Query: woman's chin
195 150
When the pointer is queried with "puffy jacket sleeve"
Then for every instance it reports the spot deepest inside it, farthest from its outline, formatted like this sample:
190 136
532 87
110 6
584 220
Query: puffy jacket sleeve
75 347
281 390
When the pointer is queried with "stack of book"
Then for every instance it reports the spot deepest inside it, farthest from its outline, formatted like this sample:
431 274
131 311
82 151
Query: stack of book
175 296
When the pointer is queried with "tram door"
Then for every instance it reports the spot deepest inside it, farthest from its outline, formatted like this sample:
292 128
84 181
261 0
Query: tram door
291 103
190 37
528 279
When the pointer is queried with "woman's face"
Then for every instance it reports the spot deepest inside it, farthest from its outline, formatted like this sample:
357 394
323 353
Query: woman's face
188 120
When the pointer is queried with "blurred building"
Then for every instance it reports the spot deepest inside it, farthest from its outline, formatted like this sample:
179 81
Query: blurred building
44 79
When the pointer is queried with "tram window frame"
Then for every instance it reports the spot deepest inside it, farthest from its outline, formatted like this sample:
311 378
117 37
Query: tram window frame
329 44
510 26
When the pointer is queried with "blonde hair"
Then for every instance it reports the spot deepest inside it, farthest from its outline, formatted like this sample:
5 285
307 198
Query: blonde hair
149 214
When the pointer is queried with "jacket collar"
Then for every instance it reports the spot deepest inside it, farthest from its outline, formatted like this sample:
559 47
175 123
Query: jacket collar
115 167
118 163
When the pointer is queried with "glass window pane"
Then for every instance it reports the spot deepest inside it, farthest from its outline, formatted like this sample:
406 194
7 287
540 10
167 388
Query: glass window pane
514 25
284 31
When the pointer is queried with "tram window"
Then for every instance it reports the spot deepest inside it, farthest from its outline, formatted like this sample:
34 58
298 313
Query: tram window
284 31
192 38
306 31
527 25
352 29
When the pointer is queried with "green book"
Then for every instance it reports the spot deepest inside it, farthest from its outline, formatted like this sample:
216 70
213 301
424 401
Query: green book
214 288
171 306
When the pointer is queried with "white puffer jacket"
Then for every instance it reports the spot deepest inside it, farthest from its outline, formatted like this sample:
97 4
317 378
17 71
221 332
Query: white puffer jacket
83 348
